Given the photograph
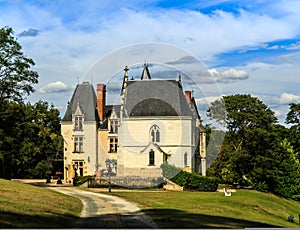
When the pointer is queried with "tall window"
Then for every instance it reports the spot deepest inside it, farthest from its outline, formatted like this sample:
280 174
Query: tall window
151 157
113 145
155 134
185 159
78 123
114 126
78 144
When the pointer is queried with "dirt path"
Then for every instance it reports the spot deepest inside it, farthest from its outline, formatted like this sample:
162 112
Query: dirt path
105 211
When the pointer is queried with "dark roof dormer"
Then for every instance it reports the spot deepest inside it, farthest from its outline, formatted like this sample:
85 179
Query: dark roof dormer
84 98
146 73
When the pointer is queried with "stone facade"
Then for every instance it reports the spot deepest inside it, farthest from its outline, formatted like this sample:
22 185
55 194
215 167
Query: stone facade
156 122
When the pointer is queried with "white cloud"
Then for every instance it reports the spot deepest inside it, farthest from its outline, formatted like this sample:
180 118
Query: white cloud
228 75
55 87
287 98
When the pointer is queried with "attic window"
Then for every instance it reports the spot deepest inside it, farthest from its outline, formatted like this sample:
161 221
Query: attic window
154 134
78 123
114 126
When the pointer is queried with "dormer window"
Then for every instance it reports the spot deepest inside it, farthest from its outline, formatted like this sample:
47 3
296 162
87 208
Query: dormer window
114 126
154 134
78 123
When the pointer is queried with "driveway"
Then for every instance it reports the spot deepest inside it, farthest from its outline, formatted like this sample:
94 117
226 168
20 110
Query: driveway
106 211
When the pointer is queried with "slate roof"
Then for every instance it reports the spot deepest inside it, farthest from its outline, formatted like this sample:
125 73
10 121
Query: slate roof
85 95
156 98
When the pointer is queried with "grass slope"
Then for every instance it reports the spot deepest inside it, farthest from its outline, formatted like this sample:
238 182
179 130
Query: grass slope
245 208
27 206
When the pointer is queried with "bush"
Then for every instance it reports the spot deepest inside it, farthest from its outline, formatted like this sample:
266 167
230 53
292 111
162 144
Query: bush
79 180
261 186
196 182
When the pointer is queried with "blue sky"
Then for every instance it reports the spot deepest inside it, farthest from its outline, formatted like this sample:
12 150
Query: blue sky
247 46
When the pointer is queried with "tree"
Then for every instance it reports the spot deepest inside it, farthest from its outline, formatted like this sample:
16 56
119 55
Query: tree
32 140
293 116
255 150
16 76
241 111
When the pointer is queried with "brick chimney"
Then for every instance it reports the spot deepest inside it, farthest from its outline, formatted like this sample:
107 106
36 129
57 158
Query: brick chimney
101 100
188 96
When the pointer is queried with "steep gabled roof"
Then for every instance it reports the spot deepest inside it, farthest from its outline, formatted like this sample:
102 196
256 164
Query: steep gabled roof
156 98
84 96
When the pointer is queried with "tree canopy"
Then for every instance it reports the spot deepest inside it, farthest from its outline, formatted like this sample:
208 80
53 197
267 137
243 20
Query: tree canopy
30 139
16 75
256 151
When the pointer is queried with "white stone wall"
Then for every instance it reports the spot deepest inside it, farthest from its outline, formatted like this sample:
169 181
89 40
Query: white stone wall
134 137
89 156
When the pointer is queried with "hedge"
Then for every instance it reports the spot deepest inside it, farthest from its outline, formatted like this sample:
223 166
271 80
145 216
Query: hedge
195 181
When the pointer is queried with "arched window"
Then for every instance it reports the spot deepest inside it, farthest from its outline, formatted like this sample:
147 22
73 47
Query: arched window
154 134
151 157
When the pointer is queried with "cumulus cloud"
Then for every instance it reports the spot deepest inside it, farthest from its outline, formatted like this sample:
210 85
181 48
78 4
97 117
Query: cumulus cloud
55 87
287 98
228 75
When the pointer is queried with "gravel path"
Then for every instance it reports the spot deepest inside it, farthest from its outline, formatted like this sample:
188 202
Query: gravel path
106 211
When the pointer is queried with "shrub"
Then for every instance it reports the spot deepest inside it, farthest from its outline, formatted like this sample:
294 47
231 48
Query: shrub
261 186
79 180
196 181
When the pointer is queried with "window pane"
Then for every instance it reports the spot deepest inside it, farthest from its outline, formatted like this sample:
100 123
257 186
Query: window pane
157 136
151 157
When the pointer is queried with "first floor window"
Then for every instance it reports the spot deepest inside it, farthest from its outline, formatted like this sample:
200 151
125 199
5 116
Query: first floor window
151 157
113 145
155 134
78 144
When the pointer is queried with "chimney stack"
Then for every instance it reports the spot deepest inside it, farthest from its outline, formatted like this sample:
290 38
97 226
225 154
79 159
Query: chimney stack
188 96
101 100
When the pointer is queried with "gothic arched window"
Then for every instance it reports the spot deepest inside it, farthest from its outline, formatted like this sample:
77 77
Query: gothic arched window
154 134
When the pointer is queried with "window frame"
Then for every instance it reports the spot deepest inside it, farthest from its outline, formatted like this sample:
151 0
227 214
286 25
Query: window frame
155 134
151 158
78 144
113 144
78 120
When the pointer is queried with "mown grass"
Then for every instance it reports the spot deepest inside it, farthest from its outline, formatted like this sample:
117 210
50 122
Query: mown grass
245 208
28 206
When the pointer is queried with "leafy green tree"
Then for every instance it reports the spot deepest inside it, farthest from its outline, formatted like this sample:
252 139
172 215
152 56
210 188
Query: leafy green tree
16 76
255 149
293 118
241 111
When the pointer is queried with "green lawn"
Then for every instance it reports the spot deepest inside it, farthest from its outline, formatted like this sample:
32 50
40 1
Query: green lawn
245 208
28 206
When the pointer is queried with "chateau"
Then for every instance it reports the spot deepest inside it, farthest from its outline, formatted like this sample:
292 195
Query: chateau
155 122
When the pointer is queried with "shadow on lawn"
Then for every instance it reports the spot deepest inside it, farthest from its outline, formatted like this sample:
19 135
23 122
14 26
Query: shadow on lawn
15 220
172 218
164 218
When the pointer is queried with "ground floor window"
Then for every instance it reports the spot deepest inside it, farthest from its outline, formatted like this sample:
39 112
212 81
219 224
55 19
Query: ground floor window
78 168
185 159
151 157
